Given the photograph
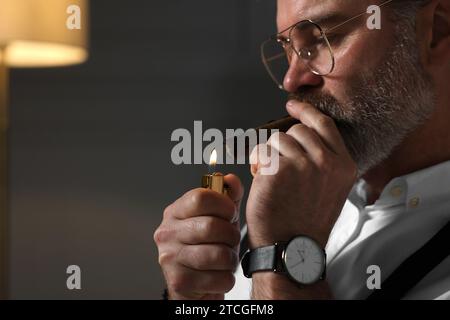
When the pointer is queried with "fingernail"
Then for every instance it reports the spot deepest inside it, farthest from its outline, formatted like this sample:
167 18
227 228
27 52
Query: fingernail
290 104
236 216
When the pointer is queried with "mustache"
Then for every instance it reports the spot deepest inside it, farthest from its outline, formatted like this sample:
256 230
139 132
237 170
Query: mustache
298 96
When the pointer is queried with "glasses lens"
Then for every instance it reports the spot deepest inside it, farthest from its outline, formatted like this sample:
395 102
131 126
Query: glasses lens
275 59
312 47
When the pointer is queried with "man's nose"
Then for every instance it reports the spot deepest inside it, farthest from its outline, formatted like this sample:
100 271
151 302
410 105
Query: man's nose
299 75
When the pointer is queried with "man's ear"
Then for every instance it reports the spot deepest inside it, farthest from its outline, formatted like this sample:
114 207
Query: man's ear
434 34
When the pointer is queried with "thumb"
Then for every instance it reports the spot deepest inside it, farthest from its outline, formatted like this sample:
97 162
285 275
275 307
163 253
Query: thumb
235 192
235 188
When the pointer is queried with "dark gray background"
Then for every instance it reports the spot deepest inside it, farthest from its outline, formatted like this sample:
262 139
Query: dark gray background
90 145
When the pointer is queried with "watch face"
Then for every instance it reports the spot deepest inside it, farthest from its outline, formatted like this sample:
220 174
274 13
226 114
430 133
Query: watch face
304 260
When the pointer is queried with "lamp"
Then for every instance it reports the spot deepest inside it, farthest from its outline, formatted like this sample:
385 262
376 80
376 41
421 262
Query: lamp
33 33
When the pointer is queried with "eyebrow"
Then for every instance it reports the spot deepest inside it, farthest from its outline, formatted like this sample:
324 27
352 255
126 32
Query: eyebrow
335 19
330 20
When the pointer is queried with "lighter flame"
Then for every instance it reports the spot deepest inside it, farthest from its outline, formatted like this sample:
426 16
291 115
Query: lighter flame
213 158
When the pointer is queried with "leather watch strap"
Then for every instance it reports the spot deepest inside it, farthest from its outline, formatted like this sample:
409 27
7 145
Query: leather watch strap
261 259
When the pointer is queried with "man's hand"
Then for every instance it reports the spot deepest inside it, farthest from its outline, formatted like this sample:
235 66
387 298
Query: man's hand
306 195
198 242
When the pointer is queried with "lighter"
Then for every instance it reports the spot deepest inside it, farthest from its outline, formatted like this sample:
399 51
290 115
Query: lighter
213 180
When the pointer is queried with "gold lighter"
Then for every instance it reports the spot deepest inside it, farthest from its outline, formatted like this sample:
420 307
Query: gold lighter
214 181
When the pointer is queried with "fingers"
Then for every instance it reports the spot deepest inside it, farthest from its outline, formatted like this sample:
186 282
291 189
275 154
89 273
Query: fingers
208 230
198 242
208 257
310 141
202 202
286 145
299 142
316 120
260 157
236 190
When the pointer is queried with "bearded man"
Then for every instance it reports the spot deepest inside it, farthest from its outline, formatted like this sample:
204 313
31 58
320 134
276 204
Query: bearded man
364 180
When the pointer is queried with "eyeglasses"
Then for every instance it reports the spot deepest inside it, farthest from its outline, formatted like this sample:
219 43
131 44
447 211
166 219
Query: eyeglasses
307 42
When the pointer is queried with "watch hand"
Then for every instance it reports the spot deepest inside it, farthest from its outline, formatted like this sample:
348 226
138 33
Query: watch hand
301 255
293 266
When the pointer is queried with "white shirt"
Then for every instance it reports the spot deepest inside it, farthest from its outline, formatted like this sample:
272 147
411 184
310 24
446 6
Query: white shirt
409 212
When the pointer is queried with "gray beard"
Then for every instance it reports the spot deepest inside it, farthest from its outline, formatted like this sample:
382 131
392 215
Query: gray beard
384 106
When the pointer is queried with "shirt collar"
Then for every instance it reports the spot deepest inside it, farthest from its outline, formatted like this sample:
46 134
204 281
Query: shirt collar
415 190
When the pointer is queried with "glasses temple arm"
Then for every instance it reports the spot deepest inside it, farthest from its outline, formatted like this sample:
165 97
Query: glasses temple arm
355 17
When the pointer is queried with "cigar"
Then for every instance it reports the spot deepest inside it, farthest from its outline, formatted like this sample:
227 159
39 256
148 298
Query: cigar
282 125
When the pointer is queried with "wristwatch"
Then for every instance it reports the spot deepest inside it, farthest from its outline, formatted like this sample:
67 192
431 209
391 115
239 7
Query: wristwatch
301 259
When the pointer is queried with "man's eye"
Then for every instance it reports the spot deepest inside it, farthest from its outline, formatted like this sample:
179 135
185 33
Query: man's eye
308 53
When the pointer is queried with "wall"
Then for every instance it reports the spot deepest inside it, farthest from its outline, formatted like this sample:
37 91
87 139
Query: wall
90 145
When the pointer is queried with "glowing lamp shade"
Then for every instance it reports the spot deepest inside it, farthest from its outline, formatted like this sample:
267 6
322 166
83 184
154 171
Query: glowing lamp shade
34 33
